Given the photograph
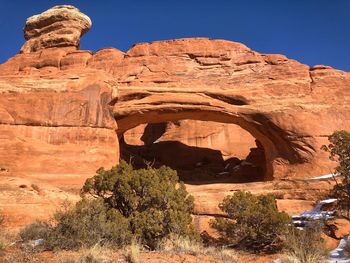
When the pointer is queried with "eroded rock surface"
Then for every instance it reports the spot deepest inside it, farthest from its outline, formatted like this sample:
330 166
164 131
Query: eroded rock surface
60 26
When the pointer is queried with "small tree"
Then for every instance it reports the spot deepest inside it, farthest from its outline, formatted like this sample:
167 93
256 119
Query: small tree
152 200
146 205
339 149
252 223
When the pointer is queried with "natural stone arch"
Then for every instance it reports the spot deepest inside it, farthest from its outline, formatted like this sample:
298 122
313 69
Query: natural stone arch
258 125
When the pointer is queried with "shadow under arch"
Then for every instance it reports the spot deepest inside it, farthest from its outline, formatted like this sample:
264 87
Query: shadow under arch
259 126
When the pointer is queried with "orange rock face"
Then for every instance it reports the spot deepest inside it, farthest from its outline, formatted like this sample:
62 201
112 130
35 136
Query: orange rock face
230 139
62 110
276 99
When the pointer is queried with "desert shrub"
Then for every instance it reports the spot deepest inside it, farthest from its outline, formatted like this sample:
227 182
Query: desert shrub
36 230
305 246
252 222
88 223
147 205
152 200
339 150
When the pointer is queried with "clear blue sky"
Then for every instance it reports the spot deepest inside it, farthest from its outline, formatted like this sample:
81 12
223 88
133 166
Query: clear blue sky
311 31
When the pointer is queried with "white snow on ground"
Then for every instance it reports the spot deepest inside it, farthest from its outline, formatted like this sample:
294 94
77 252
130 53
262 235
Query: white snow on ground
326 176
316 213
337 255
328 201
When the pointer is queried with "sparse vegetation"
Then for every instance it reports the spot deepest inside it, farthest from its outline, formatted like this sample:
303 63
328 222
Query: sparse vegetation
339 150
95 254
252 223
305 246
6 237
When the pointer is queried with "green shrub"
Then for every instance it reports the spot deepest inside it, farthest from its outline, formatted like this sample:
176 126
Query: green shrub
305 246
252 223
152 200
88 223
146 205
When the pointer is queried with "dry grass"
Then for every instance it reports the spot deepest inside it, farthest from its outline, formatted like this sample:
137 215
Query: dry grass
187 246
305 246
6 238
96 254
23 254
133 252
309 259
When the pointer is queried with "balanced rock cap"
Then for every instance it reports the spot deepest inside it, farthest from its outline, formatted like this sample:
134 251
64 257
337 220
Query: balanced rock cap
59 26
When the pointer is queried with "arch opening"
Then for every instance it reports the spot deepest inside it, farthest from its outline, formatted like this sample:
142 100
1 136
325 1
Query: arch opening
200 151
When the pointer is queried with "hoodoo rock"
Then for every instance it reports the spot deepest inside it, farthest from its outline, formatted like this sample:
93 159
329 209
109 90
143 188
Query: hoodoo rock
60 26
64 112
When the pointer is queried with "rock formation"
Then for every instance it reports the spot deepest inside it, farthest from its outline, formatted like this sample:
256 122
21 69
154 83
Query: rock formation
60 26
62 109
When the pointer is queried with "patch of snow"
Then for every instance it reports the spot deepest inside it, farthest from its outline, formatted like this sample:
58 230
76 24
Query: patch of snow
337 255
328 201
37 242
326 176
